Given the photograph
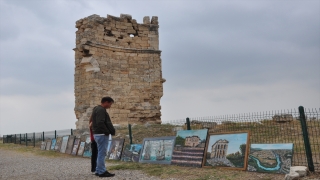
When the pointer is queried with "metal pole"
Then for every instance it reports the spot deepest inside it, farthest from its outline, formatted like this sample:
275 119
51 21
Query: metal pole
71 132
130 133
55 134
20 139
26 139
34 139
43 136
188 124
306 138
15 138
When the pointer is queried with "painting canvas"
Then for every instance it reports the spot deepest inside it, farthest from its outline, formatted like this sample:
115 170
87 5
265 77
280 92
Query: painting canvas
131 153
48 145
64 144
227 150
58 144
115 150
87 148
53 144
75 146
70 144
271 158
43 145
189 147
81 148
157 150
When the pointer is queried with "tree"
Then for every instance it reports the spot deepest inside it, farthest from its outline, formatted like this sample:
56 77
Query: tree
243 149
180 141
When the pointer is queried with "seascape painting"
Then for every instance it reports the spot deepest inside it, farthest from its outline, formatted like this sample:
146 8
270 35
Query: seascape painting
64 144
115 149
131 153
75 146
81 148
87 148
227 150
53 144
157 150
270 158
58 144
189 147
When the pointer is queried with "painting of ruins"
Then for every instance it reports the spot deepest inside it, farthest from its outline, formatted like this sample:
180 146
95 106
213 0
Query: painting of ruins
70 144
43 145
271 158
75 146
81 148
53 144
157 150
227 150
64 144
189 147
48 145
58 144
131 153
87 148
115 149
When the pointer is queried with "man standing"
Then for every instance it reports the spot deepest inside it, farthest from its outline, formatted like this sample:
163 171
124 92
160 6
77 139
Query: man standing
102 127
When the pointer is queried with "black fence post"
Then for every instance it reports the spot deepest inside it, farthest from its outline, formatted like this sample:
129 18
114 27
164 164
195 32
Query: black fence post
20 139
43 136
55 134
130 133
306 138
71 132
26 139
15 138
34 139
188 124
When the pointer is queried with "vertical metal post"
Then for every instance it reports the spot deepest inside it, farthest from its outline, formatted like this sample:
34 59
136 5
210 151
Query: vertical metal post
71 132
20 139
188 124
34 139
26 139
306 138
43 136
130 133
15 138
55 134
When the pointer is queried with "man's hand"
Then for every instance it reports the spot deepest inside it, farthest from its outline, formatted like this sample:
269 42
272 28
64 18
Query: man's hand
90 125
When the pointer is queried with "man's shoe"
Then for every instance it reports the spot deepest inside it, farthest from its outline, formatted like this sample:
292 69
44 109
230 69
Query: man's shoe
106 174
110 173
96 174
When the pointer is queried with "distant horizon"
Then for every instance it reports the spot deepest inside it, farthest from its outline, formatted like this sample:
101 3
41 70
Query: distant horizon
273 146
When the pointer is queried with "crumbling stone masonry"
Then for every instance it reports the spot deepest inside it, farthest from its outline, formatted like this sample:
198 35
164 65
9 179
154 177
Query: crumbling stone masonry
118 57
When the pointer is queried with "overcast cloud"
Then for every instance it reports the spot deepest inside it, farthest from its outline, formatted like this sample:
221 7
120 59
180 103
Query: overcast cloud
218 57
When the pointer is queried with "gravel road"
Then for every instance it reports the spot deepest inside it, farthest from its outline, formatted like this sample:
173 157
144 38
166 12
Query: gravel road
15 165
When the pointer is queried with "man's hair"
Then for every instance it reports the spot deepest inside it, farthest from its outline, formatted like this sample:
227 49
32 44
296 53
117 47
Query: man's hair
107 99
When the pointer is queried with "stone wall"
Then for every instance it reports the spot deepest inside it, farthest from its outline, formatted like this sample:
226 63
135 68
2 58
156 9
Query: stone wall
120 58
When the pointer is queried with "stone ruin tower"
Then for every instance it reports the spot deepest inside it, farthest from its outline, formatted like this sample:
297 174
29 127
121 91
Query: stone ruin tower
120 58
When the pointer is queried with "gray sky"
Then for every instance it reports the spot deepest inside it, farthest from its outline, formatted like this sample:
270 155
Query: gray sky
219 57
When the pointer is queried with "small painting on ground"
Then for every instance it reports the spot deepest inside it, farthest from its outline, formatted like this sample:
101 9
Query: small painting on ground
81 148
157 150
70 144
271 158
58 144
75 146
87 148
48 145
227 150
115 150
189 147
64 144
53 144
131 153
43 145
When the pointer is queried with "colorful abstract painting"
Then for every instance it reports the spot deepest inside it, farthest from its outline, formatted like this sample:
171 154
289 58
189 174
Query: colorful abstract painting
64 144
131 153
115 150
157 150
227 150
270 158
189 147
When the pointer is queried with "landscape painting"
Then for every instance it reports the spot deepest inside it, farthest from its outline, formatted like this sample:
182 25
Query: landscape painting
48 145
157 150
81 148
75 146
53 144
131 153
58 144
43 145
87 148
270 158
70 144
189 147
227 150
64 144
115 150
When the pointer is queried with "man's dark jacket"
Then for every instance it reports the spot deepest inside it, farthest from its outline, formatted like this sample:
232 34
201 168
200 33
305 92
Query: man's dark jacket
101 122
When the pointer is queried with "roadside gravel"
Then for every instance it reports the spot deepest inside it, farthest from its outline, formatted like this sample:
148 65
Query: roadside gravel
15 165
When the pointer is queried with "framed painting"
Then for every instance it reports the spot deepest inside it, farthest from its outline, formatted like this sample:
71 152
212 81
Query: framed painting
157 150
81 148
70 144
64 144
87 148
131 153
115 149
227 150
189 147
75 146
48 145
53 144
58 144
270 158
43 145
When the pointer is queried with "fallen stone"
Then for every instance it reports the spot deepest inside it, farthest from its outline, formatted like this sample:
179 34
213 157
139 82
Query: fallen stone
292 176
301 170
